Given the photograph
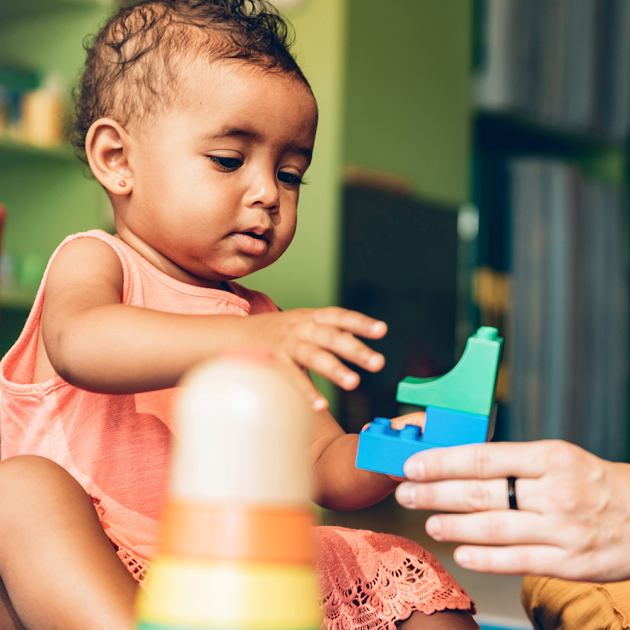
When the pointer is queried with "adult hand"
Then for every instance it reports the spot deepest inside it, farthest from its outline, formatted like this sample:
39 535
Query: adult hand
573 516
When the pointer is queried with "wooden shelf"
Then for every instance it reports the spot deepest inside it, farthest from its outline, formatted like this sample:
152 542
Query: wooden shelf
12 9
500 131
10 147
19 299
508 135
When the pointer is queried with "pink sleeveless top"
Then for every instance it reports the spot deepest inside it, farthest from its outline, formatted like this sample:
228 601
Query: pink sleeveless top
116 446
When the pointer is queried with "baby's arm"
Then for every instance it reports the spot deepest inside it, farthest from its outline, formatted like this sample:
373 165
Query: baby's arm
337 483
96 343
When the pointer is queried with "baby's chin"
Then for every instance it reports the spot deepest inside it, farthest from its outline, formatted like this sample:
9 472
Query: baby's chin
235 270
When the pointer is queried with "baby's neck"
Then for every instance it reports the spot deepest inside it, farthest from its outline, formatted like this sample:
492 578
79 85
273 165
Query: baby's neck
164 264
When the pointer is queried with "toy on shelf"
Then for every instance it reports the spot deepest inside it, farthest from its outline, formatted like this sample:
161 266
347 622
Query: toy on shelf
236 549
459 409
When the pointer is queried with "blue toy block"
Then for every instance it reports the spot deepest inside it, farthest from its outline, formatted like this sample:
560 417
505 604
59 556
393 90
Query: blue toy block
447 427
385 450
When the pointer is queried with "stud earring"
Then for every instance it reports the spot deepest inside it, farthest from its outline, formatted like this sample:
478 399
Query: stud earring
122 183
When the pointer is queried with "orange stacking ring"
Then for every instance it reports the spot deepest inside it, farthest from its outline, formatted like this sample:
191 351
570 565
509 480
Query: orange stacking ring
238 532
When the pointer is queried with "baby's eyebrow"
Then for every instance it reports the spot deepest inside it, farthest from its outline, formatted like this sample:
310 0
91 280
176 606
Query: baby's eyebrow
248 134
233 132
305 151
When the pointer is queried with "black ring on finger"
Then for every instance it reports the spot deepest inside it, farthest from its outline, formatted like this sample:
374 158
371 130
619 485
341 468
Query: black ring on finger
511 483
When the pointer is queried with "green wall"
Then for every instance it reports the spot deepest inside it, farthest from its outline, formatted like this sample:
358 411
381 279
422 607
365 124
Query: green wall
408 106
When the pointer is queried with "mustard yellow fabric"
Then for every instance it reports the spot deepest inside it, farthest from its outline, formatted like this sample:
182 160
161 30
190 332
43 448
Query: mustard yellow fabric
558 604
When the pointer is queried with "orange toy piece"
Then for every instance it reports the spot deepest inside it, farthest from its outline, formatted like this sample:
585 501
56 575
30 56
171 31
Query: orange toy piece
239 532
236 550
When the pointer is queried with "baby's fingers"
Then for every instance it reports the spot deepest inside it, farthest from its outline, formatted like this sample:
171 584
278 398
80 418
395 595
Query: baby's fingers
315 358
313 396
351 321
344 345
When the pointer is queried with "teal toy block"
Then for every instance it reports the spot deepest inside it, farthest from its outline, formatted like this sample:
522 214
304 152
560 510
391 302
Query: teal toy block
385 450
469 386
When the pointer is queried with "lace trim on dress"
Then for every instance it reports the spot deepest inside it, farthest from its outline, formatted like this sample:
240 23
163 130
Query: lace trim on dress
140 569
372 581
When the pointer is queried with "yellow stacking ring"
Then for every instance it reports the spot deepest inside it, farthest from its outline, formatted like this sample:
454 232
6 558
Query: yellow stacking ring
191 593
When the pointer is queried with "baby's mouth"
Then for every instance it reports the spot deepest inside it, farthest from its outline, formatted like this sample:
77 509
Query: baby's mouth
260 237
252 243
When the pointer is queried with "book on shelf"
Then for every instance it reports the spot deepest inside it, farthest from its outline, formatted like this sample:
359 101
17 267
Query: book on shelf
561 62
569 268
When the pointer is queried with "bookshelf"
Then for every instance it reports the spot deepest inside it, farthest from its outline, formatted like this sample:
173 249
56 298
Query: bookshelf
550 179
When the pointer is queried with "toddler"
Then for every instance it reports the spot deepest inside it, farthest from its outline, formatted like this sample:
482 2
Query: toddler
197 121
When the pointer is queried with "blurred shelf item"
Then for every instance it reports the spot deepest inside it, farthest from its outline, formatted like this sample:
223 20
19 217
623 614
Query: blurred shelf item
12 147
18 299
491 290
12 9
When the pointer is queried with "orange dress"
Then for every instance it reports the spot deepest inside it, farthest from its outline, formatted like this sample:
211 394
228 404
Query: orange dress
117 446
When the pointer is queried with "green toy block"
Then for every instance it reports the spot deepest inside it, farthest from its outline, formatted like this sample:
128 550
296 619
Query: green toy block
469 386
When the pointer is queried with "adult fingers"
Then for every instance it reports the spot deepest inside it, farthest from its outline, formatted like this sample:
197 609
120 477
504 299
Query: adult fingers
514 559
485 461
543 560
352 321
461 495
504 527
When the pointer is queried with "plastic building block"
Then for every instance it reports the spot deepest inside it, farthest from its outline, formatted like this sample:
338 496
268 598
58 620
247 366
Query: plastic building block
447 427
469 386
385 450
459 409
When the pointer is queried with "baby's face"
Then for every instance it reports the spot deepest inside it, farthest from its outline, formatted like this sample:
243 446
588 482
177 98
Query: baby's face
216 179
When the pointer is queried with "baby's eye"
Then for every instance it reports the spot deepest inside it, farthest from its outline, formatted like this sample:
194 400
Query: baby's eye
227 163
292 179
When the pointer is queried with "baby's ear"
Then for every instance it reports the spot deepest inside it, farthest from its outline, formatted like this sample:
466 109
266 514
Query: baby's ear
107 149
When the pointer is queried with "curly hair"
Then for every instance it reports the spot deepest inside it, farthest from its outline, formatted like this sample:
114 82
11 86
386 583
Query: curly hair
132 63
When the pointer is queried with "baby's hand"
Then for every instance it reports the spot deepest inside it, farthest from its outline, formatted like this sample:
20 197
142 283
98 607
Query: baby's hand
416 417
315 338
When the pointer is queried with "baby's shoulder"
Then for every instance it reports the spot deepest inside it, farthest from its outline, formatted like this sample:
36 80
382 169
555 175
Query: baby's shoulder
84 262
